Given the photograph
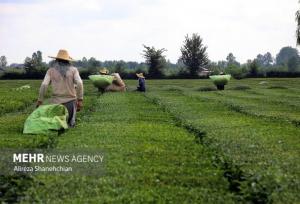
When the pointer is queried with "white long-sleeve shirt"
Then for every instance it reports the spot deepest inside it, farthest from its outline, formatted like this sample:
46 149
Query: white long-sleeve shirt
63 89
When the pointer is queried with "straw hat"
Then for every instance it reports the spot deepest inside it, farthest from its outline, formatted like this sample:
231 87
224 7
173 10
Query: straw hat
63 55
140 75
104 71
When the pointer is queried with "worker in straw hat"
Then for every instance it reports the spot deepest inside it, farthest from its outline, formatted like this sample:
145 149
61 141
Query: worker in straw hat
117 84
104 71
63 78
142 82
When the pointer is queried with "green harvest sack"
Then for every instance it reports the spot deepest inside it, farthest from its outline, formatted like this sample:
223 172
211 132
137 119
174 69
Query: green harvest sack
220 79
45 119
23 87
101 81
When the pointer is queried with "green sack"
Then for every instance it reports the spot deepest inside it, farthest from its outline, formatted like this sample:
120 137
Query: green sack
46 119
220 80
23 87
101 81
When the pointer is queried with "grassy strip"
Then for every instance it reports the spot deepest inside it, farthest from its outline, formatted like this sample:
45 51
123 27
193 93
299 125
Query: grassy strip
13 100
259 155
14 109
11 124
254 97
148 159
13 188
276 111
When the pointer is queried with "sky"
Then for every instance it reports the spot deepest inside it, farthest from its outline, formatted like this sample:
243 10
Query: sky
117 29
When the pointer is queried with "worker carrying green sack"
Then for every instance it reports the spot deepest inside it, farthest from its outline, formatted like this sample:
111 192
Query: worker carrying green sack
67 86
117 84
46 119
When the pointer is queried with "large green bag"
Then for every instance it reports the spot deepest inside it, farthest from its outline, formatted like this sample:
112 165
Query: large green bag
101 81
220 79
46 119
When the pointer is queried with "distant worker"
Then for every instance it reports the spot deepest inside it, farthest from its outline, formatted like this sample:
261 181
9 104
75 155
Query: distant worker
104 71
117 84
142 82
67 86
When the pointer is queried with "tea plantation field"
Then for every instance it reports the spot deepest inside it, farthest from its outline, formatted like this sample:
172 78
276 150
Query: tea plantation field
180 142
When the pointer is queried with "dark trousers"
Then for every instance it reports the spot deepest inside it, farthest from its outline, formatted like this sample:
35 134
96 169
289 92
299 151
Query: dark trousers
141 89
71 107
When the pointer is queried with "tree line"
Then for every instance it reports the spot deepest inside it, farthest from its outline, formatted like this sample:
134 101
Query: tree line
285 64
193 63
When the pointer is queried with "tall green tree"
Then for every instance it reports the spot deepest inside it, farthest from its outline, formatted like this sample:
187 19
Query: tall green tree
84 62
293 64
222 64
265 60
120 67
253 68
193 53
37 59
34 66
285 54
268 59
28 66
3 62
231 60
155 60
298 26
93 65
